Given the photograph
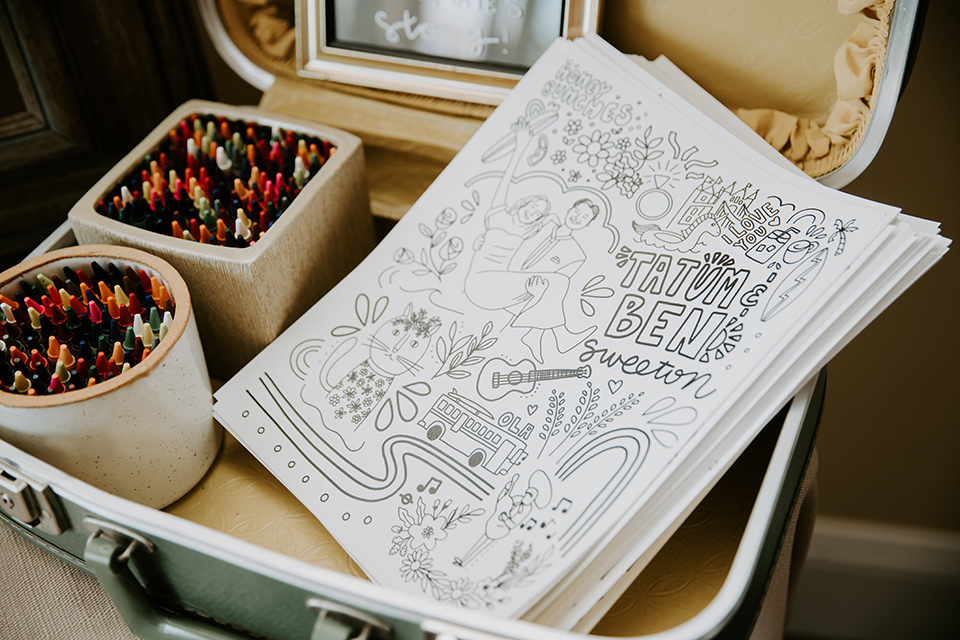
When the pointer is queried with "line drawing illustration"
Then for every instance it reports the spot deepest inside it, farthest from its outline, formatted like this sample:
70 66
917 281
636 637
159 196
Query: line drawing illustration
499 377
417 536
623 450
456 361
494 444
511 510
345 399
551 328
526 256
683 242
360 482
794 284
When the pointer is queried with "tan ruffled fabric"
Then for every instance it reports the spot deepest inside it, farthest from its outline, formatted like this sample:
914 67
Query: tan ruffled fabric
819 147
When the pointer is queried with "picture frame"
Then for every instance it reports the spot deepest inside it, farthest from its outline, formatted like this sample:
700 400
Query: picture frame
468 50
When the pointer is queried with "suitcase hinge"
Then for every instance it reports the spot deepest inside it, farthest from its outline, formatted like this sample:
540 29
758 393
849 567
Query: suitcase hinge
335 620
30 502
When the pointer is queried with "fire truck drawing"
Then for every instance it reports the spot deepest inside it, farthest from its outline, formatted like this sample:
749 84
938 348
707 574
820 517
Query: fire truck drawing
461 423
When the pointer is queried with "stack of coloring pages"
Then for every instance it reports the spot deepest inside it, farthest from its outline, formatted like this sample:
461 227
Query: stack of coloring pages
567 340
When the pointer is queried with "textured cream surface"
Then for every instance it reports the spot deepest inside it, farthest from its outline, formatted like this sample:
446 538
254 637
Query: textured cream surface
240 497
747 53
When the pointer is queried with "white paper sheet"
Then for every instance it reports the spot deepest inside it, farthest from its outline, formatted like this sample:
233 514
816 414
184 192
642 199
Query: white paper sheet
592 285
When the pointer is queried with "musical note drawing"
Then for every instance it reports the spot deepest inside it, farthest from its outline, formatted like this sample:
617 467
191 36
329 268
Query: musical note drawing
430 486
564 505
513 507
499 377
530 524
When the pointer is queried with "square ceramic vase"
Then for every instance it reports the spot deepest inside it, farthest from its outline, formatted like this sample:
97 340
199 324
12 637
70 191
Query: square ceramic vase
245 297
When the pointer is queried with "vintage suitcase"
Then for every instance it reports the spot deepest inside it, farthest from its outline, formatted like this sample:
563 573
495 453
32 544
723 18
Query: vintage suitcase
239 557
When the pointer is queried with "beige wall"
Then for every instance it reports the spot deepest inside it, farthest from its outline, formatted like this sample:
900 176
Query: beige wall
890 438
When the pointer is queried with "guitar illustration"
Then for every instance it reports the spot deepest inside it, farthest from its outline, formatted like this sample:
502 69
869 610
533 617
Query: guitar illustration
498 377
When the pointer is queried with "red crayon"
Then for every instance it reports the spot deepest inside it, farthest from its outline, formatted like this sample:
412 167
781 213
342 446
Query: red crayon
57 316
134 305
102 365
83 371
77 306
33 304
53 293
125 319
144 280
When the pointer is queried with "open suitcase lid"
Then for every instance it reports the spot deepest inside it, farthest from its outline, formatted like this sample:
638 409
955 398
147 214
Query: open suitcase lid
818 83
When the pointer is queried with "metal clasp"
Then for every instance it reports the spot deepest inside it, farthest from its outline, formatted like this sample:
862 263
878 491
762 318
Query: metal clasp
360 625
30 502
119 535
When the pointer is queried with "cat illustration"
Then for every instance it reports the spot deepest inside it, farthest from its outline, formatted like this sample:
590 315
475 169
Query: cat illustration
346 401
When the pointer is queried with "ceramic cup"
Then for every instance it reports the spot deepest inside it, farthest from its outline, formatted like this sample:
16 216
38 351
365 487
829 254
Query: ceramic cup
148 434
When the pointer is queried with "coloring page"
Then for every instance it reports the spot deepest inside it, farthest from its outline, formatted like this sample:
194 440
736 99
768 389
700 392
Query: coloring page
533 349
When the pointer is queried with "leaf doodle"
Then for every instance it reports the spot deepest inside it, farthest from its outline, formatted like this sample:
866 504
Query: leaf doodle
667 439
606 416
592 289
403 403
665 412
462 352
647 147
551 426
437 259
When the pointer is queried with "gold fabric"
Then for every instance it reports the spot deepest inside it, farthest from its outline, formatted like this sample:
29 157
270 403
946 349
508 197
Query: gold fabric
820 145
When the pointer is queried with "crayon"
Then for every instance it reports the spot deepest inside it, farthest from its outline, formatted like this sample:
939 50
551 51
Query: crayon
207 168
72 338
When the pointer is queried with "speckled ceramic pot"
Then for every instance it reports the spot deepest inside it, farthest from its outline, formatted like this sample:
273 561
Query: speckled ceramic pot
148 434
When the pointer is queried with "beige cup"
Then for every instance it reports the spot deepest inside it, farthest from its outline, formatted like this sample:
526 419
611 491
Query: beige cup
148 434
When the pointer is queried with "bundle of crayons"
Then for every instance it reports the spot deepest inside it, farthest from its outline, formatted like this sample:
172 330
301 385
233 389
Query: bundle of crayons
59 334
217 181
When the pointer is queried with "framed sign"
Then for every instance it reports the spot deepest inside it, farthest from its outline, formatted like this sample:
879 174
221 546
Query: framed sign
471 50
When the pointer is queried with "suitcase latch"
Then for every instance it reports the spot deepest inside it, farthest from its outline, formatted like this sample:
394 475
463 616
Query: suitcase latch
29 502
340 621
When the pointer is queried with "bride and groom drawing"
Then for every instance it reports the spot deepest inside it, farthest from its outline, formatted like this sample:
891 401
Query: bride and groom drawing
525 258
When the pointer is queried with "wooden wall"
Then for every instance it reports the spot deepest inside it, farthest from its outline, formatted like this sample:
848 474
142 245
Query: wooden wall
82 81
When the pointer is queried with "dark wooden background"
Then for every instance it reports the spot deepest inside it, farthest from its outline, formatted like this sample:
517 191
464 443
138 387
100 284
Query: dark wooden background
80 84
